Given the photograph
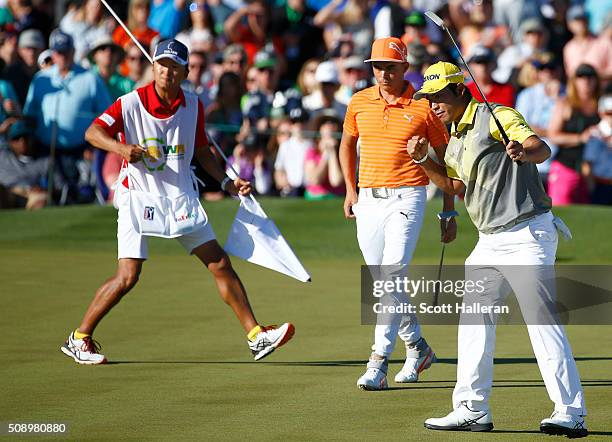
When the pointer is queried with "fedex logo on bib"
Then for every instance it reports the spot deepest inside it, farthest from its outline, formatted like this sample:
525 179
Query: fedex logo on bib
158 153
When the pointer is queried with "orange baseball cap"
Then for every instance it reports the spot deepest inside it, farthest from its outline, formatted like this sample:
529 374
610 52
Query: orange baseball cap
388 49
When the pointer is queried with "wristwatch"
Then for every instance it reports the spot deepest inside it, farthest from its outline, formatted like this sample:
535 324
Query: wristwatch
422 160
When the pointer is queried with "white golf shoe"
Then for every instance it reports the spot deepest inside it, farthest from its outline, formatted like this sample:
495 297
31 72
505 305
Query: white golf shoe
419 357
84 351
462 419
269 339
375 377
560 424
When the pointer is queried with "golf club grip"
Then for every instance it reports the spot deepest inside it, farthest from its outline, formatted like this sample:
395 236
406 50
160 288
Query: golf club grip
503 134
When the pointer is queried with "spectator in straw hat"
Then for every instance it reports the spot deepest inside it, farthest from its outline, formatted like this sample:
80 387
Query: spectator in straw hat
105 56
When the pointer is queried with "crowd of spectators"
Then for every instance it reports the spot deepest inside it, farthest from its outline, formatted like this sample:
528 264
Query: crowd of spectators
275 77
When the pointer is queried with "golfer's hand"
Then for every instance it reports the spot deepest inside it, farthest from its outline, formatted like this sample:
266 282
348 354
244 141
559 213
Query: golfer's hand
132 153
417 147
448 231
238 187
515 151
349 201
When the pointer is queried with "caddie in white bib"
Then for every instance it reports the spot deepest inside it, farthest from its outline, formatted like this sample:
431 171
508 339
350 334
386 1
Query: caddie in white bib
162 191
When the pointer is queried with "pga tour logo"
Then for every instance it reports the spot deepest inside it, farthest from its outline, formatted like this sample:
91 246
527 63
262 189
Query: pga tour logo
149 213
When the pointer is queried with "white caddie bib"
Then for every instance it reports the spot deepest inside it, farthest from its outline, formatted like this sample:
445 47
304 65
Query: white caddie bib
162 191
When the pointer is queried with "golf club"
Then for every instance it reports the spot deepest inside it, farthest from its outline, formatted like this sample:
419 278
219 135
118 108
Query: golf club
446 217
437 291
440 23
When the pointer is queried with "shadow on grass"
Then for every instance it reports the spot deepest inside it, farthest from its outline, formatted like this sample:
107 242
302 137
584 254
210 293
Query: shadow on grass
591 433
351 363
517 383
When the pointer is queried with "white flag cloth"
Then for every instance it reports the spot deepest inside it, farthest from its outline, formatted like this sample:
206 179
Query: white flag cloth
255 238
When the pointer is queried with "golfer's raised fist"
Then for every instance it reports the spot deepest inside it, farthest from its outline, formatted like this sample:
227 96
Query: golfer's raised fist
132 152
417 147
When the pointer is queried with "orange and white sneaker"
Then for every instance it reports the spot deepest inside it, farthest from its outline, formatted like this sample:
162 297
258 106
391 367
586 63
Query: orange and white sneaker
419 357
269 339
84 351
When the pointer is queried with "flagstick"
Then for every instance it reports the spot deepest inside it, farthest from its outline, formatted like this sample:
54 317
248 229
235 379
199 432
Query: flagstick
214 143
125 28
146 54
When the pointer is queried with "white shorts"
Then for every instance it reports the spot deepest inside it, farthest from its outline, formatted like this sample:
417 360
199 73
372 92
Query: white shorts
131 244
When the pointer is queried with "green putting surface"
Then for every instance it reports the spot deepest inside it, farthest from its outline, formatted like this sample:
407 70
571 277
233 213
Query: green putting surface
180 368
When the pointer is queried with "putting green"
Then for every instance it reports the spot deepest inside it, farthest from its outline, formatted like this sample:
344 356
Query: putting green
180 368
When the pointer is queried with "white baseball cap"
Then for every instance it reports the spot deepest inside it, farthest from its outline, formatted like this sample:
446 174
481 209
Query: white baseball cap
327 72
605 104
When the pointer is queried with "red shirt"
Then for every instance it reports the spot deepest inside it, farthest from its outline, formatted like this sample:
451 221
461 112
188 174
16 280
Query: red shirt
112 118
499 93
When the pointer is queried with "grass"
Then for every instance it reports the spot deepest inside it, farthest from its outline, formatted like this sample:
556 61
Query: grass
180 368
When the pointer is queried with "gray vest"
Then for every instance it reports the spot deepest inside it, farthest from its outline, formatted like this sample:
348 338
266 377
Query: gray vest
499 193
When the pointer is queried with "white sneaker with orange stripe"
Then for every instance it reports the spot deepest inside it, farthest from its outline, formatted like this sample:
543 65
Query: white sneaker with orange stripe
269 339
419 357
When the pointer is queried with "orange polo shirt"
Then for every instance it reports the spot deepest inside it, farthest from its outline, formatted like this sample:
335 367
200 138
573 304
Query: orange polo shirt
384 130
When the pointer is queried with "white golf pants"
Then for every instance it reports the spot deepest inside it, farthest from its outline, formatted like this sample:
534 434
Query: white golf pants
387 232
531 245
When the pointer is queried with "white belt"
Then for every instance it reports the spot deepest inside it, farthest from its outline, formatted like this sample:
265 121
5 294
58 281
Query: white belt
385 192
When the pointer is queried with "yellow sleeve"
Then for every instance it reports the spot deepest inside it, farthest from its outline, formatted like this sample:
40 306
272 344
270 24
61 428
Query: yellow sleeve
451 173
513 123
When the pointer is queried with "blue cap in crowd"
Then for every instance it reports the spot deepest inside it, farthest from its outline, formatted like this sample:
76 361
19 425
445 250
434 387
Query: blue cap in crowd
172 49
60 41
19 129
576 12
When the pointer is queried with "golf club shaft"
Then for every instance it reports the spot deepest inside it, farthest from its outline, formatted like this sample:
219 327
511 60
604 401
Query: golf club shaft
125 28
437 291
502 132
